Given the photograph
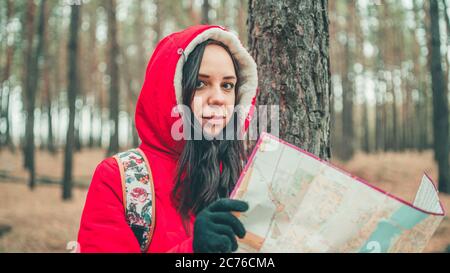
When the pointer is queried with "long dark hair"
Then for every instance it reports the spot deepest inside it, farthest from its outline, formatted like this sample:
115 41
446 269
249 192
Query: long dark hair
199 181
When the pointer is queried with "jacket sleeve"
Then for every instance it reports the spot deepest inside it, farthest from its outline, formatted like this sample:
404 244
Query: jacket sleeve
184 247
103 226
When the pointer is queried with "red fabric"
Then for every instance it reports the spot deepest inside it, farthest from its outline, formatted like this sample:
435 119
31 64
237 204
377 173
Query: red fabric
103 226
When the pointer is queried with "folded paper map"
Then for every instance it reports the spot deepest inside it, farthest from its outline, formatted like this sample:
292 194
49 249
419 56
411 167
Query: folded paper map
299 203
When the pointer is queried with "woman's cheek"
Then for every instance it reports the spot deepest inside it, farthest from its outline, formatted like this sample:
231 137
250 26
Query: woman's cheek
197 107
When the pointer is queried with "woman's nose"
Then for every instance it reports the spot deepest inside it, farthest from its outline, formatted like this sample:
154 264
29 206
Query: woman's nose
217 96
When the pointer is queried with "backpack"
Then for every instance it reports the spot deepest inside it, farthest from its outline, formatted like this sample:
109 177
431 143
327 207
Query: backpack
138 194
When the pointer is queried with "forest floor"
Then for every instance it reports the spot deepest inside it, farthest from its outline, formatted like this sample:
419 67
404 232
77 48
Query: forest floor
39 221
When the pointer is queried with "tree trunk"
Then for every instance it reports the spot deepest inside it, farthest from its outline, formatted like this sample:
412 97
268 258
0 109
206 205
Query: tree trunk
29 101
447 26
31 91
46 88
223 14
348 93
114 77
56 71
366 128
421 120
205 12
5 139
157 26
77 123
336 69
440 102
298 78
241 20
93 79
131 96
72 78
142 62
394 132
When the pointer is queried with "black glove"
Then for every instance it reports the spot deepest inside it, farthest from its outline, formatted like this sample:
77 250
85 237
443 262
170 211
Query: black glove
215 228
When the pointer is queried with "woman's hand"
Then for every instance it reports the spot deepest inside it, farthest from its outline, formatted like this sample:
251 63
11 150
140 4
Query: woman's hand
215 228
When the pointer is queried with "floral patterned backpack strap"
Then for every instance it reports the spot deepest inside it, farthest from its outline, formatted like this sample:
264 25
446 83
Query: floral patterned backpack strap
138 194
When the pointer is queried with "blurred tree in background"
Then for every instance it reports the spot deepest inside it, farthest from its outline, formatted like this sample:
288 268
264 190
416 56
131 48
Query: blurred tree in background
440 100
72 90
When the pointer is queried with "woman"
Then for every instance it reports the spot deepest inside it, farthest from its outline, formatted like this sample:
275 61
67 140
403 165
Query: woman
207 69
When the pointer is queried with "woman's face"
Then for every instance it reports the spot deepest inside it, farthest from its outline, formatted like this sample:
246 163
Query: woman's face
214 98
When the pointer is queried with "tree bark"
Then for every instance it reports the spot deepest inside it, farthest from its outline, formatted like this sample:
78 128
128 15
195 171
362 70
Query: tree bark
421 120
366 128
348 89
142 63
447 26
46 87
114 77
289 41
241 21
58 40
92 80
205 12
72 78
440 102
28 100
5 139
31 91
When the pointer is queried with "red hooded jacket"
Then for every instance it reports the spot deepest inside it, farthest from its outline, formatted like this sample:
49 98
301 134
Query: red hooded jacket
103 226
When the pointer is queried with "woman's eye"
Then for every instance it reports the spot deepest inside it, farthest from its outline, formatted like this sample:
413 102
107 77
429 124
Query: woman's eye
228 85
199 84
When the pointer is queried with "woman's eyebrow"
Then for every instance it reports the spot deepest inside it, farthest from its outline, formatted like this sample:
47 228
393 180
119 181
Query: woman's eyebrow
226 77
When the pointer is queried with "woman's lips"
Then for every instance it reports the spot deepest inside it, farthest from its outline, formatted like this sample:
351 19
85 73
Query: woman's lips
214 119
